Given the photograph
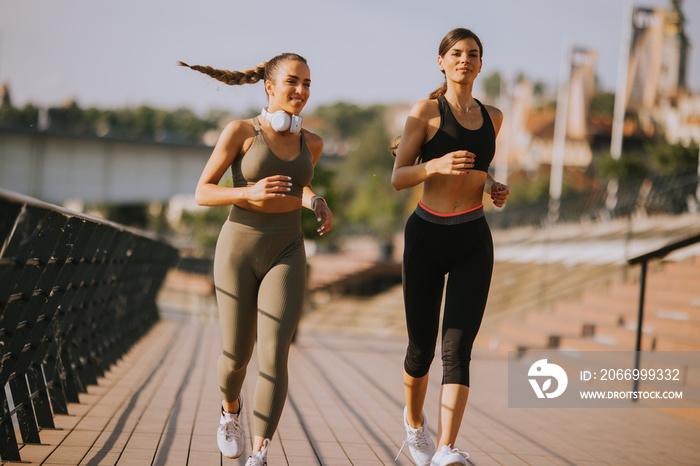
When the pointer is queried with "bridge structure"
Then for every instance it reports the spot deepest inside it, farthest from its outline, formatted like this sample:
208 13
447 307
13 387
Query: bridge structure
94 374
57 168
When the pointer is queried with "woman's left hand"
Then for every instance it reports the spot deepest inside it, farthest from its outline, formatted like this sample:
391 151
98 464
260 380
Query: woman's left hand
499 194
323 214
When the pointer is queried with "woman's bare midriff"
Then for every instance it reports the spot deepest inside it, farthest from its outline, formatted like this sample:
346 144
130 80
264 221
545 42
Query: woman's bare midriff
449 194
272 206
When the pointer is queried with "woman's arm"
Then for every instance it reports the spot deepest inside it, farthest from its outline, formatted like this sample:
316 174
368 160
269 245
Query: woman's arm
499 192
406 173
228 147
309 199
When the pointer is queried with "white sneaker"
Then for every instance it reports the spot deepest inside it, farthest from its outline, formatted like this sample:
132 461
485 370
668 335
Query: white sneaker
259 458
449 457
229 436
419 442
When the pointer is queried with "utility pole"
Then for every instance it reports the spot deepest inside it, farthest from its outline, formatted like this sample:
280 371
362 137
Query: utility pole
620 100
556 176
621 89
505 102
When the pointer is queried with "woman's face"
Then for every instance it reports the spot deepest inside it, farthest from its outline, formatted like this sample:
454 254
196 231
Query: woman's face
462 63
291 87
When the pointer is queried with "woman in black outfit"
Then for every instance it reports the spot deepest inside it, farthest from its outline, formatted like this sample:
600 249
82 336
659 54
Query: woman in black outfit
447 145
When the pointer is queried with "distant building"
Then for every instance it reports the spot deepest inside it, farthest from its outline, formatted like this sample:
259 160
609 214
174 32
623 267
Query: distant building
658 100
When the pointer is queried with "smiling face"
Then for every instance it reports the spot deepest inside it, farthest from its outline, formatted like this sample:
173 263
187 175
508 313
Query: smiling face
290 87
462 62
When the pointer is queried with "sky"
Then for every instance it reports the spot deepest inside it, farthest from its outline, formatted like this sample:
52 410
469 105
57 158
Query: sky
123 53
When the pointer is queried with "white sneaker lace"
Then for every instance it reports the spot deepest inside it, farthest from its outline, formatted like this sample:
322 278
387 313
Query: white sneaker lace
456 451
232 429
418 439
259 458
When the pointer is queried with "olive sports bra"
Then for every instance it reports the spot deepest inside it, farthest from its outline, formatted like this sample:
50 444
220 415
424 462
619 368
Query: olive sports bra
260 162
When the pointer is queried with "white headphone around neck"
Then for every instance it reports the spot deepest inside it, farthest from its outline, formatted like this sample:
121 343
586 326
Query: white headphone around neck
283 121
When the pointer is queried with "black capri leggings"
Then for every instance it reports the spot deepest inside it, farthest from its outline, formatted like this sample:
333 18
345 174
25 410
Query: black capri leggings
436 245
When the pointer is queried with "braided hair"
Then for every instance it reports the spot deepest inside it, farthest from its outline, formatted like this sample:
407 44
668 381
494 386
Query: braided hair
266 70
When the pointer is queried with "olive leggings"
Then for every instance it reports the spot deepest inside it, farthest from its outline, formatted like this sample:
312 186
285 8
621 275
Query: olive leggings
260 279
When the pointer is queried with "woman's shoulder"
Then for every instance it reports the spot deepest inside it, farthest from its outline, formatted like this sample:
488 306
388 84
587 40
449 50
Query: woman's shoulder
492 109
239 129
236 137
313 141
425 109
495 114
311 138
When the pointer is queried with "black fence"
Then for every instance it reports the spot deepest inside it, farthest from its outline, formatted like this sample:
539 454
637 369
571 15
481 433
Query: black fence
75 293
654 195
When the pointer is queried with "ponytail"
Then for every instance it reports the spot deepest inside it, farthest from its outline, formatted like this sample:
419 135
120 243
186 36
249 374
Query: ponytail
232 78
266 70
439 91
395 145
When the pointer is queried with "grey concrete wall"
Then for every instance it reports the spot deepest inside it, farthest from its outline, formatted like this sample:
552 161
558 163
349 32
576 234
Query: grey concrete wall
57 168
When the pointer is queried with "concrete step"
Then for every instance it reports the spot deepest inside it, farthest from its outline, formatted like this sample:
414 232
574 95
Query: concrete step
682 313
592 314
572 320
621 305
654 296
518 287
668 282
589 344
529 334
666 343
630 306
501 344
683 269
625 337
558 324
672 327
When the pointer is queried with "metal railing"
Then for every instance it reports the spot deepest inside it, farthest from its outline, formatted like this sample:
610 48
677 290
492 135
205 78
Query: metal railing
653 195
75 293
643 260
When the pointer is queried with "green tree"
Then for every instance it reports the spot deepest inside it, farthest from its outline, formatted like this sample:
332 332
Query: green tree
674 159
348 121
492 85
324 186
24 118
368 200
602 103
658 157
630 166
539 88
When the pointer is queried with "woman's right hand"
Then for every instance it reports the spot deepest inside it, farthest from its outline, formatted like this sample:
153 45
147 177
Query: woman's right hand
453 163
272 187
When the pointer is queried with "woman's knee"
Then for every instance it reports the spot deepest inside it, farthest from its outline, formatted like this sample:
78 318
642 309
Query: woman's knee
232 364
417 362
456 356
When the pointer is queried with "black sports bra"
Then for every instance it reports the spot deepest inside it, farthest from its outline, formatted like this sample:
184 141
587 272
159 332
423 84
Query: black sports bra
451 136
